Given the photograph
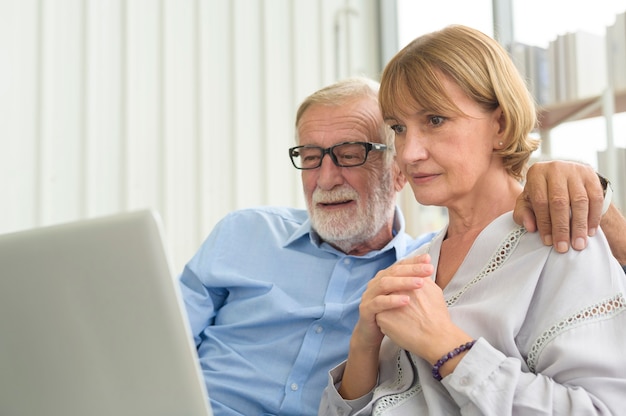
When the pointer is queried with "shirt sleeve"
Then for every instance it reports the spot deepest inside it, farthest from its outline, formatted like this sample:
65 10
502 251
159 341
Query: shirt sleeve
201 299
198 303
332 404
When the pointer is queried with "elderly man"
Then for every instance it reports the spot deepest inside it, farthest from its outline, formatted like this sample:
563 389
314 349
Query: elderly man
273 293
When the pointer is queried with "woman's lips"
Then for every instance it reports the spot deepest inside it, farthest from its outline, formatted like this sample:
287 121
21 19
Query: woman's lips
423 178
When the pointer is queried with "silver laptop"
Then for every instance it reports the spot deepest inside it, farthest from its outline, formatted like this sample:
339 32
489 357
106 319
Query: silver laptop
92 324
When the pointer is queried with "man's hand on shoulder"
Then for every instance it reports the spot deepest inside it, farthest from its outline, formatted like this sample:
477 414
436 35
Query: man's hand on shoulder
563 201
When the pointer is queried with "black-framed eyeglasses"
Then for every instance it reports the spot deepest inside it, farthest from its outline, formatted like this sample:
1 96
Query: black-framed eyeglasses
345 155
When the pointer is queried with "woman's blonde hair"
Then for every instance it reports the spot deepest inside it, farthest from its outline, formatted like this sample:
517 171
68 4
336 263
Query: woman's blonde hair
481 67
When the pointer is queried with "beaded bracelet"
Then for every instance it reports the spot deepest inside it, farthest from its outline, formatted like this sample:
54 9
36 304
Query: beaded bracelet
451 354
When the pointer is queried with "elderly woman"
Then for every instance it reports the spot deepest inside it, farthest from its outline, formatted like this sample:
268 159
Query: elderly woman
503 324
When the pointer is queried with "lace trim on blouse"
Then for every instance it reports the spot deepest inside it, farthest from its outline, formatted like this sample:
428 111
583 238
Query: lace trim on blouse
388 402
601 310
495 262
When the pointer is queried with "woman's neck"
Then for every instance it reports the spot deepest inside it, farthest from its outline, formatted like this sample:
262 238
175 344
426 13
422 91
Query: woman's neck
471 215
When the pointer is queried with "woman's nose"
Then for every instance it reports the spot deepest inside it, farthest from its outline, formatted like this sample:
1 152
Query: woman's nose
412 147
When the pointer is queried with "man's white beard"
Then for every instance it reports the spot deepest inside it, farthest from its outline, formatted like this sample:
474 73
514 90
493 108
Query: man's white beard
350 227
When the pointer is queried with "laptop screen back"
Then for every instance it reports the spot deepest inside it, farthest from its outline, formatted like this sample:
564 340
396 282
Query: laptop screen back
91 323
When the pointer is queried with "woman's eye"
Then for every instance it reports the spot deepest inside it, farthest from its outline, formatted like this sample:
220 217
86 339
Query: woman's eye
398 129
436 120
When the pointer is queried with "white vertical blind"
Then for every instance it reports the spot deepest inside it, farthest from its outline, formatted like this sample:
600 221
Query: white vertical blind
184 106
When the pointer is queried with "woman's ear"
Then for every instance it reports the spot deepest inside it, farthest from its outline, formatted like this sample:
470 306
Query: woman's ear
500 122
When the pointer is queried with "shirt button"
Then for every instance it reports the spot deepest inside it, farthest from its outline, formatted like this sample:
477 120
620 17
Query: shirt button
346 261
319 329
464 381
294 386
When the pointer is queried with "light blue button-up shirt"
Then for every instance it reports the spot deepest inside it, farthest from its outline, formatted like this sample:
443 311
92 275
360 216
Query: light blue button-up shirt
271 308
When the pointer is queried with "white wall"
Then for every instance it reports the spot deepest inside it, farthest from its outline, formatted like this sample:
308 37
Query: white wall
184 106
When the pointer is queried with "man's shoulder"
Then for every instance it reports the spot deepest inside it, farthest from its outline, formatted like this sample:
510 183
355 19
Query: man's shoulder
268 214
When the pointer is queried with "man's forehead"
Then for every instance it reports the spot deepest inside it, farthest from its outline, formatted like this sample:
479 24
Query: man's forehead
338 123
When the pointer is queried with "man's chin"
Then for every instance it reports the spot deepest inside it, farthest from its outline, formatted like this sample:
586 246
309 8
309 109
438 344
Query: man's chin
340 238
342 232
336 219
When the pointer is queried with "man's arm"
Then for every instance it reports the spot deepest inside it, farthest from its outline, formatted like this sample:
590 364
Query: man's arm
555 189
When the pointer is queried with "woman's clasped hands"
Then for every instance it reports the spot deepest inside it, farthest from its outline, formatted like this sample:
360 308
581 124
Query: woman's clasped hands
405 303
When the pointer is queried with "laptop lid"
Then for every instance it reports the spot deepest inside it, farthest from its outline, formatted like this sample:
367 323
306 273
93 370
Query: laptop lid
91 323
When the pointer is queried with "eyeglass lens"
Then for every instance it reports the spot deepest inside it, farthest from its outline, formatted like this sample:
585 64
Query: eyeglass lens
347 154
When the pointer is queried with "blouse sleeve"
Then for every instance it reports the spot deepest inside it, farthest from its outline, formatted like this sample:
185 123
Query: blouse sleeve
574 362
332 404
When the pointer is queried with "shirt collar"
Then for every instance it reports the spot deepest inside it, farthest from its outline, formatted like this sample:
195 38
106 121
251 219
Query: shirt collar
399 241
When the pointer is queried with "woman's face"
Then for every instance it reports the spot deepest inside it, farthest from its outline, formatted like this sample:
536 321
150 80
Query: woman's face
447 157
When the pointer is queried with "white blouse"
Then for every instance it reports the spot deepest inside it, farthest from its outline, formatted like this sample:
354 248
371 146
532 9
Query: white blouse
551 331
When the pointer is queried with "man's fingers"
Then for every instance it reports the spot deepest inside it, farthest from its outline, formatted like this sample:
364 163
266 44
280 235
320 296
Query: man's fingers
523 213
560 213
596 201
567 202
580 217
544 213
550 204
